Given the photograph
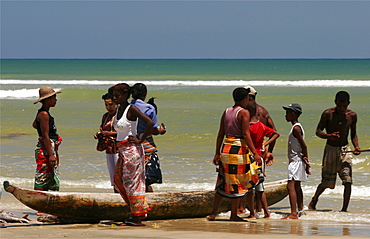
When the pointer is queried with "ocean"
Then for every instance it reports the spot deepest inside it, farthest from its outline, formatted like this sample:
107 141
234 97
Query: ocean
191 96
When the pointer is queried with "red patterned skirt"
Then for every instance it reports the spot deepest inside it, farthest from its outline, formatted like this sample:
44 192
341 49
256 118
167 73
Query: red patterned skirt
129 177
46 177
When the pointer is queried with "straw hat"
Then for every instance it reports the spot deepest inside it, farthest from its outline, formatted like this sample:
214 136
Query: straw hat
46 92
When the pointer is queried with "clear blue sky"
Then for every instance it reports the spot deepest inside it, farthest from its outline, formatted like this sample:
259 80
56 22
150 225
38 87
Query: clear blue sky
185 29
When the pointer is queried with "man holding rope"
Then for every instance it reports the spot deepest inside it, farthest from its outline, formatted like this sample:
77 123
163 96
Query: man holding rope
337 121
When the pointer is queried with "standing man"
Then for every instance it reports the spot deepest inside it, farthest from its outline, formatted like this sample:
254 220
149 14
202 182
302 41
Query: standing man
259 114
337 121
262 115
153 173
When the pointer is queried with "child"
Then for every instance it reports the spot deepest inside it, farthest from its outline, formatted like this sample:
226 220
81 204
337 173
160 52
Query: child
258 131
298 160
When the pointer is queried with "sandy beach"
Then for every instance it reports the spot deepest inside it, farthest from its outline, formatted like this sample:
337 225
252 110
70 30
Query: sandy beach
186 228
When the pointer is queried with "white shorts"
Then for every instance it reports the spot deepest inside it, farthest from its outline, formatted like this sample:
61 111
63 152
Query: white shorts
297 171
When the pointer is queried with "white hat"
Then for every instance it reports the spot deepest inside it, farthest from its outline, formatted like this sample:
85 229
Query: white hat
252 91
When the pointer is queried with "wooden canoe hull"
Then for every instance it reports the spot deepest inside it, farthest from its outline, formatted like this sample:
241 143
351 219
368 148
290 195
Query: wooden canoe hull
111 206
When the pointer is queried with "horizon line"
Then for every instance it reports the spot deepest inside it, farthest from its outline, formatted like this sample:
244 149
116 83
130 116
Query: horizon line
188 58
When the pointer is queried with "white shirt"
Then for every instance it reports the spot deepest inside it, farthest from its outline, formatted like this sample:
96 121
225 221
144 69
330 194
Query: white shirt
123 126
294 147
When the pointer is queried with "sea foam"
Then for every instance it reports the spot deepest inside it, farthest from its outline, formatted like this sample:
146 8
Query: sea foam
32 93
241 82
20 94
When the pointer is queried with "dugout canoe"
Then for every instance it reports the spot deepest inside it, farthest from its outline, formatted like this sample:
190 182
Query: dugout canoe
91 207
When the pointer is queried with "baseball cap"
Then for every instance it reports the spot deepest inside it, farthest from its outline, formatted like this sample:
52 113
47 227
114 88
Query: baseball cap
252 91
294 107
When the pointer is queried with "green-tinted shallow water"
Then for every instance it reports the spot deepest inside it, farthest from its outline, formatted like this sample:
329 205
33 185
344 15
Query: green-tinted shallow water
191 114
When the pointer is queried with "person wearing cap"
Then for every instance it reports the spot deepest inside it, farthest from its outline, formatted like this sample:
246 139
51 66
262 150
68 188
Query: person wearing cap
46 153
262 115
259 114
298 167
337 121
258 132
235 156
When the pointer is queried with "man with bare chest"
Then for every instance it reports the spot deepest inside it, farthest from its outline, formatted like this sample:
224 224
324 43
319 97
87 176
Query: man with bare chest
258 112
339 122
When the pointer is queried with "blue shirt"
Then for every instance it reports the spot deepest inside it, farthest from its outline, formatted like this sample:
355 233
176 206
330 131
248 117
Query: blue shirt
146 109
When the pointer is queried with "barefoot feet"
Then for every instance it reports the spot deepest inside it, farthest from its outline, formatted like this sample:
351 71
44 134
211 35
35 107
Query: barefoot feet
290 216
312 205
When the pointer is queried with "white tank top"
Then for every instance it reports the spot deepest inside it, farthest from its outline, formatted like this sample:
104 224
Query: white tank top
294 147
123 126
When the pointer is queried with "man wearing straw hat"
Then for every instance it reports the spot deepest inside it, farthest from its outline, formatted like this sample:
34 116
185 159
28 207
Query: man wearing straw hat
46 153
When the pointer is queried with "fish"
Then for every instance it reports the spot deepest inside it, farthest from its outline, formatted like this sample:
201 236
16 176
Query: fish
10 217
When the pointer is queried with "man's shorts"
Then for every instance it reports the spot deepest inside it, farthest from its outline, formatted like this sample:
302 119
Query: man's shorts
334 161
259 187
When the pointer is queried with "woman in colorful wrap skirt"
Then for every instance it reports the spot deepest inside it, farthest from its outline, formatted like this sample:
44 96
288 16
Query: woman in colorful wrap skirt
235 155
46 153
129 177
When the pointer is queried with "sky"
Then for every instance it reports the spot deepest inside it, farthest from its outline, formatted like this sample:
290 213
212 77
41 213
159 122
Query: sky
185 29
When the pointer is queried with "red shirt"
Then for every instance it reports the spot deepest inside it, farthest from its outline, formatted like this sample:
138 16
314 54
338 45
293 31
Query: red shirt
258 132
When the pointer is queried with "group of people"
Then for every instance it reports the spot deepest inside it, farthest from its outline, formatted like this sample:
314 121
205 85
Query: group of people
242 153
129 157
108 133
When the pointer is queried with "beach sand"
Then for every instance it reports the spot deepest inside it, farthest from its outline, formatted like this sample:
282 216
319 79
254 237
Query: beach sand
185 228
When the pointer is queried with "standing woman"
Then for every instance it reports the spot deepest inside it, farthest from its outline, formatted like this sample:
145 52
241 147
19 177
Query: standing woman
234 155
107 130
46 153
129 178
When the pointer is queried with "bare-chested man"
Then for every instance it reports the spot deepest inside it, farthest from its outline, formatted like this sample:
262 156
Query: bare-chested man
337 121
261 114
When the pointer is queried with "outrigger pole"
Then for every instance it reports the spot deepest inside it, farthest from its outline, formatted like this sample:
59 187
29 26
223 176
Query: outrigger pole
351 151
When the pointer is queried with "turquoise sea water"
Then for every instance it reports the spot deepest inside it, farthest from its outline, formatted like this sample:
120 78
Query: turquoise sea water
186 69
191 96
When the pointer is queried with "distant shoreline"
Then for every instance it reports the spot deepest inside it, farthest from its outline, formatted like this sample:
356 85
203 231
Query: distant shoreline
277 58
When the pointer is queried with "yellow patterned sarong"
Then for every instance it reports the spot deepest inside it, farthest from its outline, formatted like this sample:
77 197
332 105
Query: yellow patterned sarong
238 172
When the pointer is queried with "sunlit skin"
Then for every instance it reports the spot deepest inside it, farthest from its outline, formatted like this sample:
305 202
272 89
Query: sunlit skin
111 107
120 98
294 187
339 122
243 117
43 118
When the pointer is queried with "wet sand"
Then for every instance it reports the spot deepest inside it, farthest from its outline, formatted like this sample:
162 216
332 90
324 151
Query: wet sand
187 228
